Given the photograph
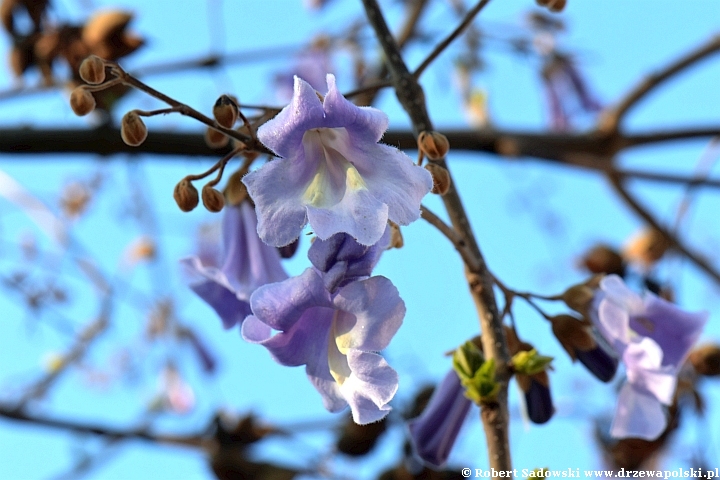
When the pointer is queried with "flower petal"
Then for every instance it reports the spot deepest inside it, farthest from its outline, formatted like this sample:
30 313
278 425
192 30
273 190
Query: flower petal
277 189
280 305
283 134
388 173
359 213
371 386
638 415
217 292
366 122
643 361
675 330
377 311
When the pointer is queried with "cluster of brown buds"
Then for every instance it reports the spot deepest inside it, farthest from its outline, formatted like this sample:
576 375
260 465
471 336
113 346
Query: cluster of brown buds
434 146
43 43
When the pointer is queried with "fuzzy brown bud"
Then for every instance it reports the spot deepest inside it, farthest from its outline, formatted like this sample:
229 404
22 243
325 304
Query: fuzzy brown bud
186 195
706 360
604 259
215 139
441 178
235 190
132 129
225 111
212 199
552 5
81 101
396 238
572 334
578 297
434 145
646 247
92 70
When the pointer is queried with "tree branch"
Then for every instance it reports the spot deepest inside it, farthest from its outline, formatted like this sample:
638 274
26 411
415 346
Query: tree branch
675 242
495 417
610 119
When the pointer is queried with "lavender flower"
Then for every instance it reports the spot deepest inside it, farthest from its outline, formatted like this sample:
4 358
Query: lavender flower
248 264
333 318
564 87
434 432
332 172
652 337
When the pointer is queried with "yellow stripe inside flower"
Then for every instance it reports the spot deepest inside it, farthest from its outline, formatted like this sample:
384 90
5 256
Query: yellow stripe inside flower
335 174
338 345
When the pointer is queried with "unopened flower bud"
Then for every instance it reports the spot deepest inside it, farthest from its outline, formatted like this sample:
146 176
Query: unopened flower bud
434 145
604 259
288 251
441 178
572 334
235 190
212 199
579 297
396 238
538 399
552 5
81 101
706 360
646 247
92 70
186 195
225 111
132 129
215 139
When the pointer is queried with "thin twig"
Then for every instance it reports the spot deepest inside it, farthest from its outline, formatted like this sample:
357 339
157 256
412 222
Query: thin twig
675 242
450 234
469 17
610 119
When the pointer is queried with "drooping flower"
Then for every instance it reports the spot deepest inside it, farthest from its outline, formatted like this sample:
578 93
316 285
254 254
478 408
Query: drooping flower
566 90
332 172
333 319
248 264
434 432
652 337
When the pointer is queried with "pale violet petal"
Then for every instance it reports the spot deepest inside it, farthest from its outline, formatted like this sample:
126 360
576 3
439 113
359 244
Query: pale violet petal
283 133
365 122
376 313
638 415
277 189
358 214
280 305
643 359
370 388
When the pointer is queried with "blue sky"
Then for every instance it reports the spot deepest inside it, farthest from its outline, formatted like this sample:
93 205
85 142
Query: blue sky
510 202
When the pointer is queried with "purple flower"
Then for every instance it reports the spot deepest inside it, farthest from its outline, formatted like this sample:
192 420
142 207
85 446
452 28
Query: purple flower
433 433
333 318
332 172
249 264
565 88
652 337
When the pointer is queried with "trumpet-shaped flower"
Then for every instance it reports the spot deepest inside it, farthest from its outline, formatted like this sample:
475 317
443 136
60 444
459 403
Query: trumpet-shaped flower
652 337
248 264
333 319
332 172
434 432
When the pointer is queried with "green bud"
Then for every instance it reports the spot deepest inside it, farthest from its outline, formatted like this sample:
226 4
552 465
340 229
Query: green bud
476 374
530 362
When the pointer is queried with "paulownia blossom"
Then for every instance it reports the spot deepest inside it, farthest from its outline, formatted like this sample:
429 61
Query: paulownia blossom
333 319
652 337
434 432
248 264
332 172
